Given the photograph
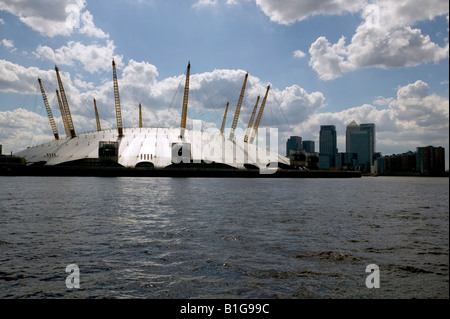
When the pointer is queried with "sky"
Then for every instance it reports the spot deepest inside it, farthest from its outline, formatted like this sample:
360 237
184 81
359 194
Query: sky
327 62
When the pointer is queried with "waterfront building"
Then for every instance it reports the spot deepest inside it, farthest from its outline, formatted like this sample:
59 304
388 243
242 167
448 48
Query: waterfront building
360 139
294 143
309 146
347 161
352 127
302 159
302 154
370 129
396 164
430 160
151 147
327 146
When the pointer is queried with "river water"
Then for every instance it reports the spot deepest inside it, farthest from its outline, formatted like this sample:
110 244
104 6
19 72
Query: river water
224 238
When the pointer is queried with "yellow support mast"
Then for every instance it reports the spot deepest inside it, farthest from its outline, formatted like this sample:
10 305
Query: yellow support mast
224 119
65 105
250 123
185 101
238 108
117 101
258 118
97 118
49 111
63 114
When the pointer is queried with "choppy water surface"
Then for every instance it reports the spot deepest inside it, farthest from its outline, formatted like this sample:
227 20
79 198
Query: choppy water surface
224 238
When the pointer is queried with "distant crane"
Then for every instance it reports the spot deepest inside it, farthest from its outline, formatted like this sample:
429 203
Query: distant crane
185 101
63 114
49 111
117 101
224 119
99 128
238 108
250 123
258 118
65 105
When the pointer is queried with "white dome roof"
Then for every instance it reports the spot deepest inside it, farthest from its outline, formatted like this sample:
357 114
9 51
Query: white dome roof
154 145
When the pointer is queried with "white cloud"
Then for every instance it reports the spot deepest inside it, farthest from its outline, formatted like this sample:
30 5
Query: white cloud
140 74
53 18
299 54
83 84
16 133
407 13
9 44
88 27
329 60
49 29
374 47
384 39
18 79
204 3
291 11
382 101
2 21
392 12
232 2
397 47
93 57
46 17
294 104
416 108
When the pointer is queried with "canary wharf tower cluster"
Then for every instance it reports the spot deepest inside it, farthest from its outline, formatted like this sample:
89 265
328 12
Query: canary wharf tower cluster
359 155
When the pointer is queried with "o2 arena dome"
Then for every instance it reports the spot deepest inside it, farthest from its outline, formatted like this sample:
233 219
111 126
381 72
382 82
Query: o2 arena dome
155 147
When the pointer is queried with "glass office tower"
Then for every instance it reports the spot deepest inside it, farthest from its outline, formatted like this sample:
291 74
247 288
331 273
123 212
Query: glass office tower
327 146
294 143
360 139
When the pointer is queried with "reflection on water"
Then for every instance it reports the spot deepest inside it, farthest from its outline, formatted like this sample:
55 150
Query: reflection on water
244 238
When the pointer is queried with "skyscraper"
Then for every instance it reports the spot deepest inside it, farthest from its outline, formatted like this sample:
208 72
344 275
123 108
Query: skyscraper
352 127
294 143
360 139
309 146
370 129
327 146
